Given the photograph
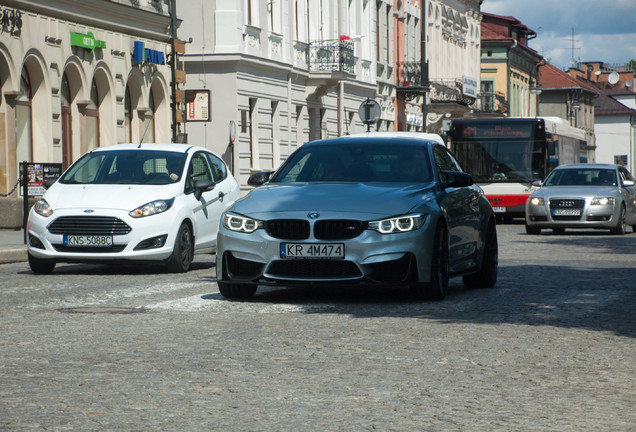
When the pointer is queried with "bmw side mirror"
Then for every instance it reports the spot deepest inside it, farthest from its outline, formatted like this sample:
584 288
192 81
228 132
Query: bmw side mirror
201 186
259 178
457 179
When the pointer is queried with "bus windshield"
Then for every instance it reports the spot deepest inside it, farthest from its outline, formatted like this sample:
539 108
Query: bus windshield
502 160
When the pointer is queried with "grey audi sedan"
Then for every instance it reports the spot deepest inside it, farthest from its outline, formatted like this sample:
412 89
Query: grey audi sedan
391 209
583 196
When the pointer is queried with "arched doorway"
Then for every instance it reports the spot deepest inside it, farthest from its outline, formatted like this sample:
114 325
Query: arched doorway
92 119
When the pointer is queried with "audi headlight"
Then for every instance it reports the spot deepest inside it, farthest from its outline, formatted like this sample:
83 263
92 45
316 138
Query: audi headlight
152 208
398 224
602 201
43 208
537 201
239 223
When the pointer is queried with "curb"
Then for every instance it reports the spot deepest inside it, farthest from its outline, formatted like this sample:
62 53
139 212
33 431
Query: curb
13 255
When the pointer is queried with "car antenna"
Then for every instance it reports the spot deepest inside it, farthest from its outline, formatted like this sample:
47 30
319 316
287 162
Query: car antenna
144 135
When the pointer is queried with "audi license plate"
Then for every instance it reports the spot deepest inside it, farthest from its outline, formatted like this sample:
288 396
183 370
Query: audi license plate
566 212
312 250
88 240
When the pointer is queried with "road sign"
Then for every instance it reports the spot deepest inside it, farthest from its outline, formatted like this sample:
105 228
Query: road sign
369 112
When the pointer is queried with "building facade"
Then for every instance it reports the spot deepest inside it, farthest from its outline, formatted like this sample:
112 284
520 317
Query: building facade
75 75
280 74
509 68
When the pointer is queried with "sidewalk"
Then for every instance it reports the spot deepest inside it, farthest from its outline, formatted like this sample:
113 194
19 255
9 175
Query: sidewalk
12 247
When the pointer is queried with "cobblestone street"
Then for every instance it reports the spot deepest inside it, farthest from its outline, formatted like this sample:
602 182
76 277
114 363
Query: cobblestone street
550 348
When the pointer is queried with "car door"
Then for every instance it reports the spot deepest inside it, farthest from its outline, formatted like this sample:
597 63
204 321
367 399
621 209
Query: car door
461 207
206 211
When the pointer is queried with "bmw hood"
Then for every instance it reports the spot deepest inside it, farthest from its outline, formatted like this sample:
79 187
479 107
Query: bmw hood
353 199
121 197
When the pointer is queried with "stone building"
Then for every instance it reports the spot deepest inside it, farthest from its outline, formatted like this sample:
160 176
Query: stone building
75 75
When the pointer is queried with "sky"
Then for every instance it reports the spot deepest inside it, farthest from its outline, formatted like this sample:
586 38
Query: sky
604 30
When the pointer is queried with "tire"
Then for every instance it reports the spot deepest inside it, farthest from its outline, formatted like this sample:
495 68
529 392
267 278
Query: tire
39 266
183 252
486 277
236 291
532 230
440 267
620 227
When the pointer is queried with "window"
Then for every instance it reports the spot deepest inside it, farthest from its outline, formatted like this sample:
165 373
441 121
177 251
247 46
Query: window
219 170
199 170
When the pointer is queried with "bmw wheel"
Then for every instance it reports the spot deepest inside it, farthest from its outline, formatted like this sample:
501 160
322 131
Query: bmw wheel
487 275
183 252
440 267
236 291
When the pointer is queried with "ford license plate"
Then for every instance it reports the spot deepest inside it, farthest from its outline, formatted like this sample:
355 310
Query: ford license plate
88 240
312 250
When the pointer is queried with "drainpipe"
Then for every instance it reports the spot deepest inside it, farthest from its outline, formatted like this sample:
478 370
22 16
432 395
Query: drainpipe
173 66
424 66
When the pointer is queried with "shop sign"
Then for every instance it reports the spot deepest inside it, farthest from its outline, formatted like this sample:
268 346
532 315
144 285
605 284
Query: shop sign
470 87
37 174
10 21
197 105
142 54
87 41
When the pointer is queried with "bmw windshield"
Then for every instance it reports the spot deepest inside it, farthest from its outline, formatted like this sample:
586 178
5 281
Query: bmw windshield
350 162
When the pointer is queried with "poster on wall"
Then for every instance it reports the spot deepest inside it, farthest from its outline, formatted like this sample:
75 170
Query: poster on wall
37 174
198 104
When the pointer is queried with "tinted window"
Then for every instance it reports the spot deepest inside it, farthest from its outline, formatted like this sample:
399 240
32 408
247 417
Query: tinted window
582 177
219 170
199 170
353 162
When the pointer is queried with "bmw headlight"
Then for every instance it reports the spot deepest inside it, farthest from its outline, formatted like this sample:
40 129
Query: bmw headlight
537 201
398 224
152 208
239 223
43 208
602 201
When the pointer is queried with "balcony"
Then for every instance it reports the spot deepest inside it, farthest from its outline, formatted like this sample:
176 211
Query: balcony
331 56
410 83
492 102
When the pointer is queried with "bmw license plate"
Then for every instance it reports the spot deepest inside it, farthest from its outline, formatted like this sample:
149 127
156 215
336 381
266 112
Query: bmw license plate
312 250
88 240
566 212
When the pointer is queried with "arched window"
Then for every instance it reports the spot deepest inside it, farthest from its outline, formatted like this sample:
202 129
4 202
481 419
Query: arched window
92 119
24 120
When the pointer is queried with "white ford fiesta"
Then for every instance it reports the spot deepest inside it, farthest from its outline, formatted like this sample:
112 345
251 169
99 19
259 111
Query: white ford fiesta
132 203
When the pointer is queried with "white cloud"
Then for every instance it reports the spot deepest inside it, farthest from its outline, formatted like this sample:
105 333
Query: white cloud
603 31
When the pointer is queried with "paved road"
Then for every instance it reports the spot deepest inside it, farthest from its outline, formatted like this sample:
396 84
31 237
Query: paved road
111 349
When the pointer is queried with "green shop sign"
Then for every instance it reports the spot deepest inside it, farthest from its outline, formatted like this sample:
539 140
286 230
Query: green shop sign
87 41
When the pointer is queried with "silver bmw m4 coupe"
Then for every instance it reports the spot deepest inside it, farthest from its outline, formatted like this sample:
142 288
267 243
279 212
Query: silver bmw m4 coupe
391 209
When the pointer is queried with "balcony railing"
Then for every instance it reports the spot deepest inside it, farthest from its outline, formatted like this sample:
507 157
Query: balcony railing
410 83
331 56
492 102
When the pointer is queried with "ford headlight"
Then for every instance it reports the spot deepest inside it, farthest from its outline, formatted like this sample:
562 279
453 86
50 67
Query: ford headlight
43 208
239 223
152 208
398 224
602 201
537 201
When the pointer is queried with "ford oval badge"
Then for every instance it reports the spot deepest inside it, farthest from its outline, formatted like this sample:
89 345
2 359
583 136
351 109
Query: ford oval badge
89 211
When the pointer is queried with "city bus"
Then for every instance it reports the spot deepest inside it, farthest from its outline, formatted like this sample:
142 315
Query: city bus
506 155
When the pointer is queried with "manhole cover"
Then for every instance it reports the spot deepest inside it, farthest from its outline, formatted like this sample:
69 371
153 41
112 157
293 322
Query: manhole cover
103 310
